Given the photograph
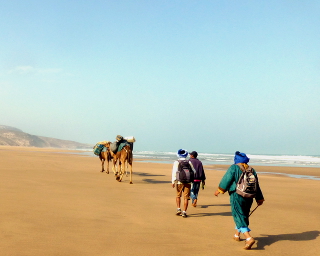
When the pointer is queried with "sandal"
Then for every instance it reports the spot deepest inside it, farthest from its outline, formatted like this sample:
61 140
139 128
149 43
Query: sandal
237 238
249 244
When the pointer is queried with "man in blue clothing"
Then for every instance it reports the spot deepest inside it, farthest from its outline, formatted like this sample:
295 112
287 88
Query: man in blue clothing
199 177
240 206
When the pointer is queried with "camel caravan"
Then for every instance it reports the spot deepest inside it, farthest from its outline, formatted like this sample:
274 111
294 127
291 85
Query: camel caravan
118 151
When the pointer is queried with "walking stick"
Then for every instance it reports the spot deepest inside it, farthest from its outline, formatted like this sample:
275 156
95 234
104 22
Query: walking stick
253 210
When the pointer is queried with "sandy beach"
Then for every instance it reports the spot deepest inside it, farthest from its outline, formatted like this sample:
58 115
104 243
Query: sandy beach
54 202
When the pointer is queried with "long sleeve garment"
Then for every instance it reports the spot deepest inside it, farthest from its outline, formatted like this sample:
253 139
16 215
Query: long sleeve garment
240 206
197 166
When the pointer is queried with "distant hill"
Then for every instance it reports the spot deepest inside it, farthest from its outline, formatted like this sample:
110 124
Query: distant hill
11 136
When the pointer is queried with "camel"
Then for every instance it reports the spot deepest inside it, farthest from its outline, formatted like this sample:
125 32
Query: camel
125 157
105 156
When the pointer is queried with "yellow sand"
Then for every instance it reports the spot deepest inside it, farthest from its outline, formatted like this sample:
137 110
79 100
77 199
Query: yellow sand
61 204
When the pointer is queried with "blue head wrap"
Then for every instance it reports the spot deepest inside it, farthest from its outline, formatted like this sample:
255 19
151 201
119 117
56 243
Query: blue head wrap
182 153
240 158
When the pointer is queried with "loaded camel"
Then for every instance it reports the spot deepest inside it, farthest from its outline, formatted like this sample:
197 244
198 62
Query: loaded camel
125 157
105 156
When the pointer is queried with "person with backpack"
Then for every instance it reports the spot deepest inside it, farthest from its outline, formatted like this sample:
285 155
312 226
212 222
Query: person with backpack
199 177
182 177
241 181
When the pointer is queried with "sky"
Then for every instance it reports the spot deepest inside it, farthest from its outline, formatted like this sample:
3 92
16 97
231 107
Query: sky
212 76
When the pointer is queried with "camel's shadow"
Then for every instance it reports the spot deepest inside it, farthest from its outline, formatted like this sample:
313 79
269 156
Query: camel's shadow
155 181
147 174
267 240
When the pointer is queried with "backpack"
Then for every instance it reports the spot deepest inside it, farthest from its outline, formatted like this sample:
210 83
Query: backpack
184 174
247 183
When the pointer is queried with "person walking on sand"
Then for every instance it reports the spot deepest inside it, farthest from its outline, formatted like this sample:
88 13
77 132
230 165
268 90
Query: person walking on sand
199 177
182 186
240 206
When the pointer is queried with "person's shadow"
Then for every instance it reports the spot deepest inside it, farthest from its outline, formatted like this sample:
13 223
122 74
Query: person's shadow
208 205
267 240
208 214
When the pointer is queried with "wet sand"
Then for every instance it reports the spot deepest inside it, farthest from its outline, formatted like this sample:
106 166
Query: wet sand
54 203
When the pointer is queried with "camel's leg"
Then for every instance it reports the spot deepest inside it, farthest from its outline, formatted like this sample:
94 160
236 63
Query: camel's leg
113 158
131 174
102 161
108 166
114 168
127 168
123 169
130 160
122 166
102 165
118 168
119 171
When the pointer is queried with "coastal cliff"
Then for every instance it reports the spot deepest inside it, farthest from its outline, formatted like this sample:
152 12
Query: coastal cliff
11 136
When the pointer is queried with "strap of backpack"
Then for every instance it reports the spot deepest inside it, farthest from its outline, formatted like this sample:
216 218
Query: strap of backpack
180 161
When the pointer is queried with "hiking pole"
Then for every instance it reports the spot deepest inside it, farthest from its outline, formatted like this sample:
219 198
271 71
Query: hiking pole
253 210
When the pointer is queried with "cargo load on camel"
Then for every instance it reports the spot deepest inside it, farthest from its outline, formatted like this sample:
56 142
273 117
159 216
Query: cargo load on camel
99 147
114 146
122 142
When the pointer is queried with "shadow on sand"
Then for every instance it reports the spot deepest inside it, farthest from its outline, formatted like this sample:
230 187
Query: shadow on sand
267 240
151 180
147 174
155 181
207 206
208 214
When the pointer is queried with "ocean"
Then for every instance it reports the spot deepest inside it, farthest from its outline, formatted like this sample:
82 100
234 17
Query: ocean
227 159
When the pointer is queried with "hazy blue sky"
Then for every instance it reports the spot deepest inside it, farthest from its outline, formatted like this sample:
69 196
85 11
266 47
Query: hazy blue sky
213 76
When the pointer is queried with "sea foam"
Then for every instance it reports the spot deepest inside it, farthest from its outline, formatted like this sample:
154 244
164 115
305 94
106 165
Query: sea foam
227 159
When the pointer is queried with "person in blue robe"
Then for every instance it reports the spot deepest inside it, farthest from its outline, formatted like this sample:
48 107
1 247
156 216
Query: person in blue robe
240 206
